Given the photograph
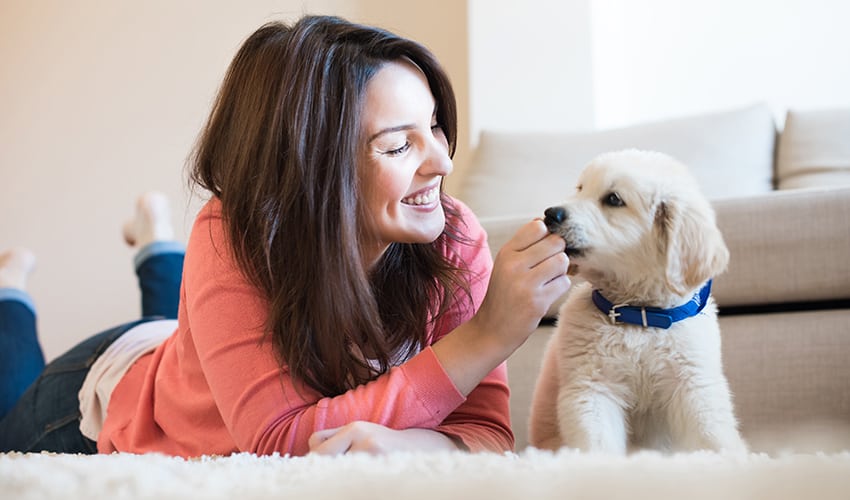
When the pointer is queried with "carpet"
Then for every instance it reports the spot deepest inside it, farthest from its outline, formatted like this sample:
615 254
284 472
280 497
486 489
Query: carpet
531 474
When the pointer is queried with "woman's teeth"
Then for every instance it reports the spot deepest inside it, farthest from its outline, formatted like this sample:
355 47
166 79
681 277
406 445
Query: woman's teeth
425 198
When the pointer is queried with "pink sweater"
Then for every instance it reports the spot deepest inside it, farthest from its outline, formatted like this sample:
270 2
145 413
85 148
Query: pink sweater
215 387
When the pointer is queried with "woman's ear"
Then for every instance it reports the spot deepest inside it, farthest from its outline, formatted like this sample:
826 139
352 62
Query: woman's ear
692 242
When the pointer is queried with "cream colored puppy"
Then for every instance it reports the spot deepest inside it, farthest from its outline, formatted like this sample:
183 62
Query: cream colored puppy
635 361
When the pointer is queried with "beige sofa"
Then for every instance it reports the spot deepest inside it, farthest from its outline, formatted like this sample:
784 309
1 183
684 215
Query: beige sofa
783 203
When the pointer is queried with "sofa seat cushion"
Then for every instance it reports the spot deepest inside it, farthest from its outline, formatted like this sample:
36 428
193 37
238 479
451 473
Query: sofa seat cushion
814 149
731 154
788 374
786 246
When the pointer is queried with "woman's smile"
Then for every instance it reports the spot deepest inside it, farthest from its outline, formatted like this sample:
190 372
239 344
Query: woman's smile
424 198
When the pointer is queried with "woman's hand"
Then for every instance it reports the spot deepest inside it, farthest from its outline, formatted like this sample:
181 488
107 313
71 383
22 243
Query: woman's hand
529 274
376 439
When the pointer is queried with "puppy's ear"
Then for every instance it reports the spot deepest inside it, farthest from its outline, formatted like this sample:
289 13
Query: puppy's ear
693 245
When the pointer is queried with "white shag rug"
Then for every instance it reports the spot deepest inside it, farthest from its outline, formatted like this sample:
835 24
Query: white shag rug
531 474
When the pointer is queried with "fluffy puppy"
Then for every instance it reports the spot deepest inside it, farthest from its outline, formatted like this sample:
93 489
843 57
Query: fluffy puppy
635 361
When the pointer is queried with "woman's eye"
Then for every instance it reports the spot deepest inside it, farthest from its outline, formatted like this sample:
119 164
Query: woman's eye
613 200
399 150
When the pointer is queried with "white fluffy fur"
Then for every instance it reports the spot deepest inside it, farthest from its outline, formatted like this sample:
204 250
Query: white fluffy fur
612 388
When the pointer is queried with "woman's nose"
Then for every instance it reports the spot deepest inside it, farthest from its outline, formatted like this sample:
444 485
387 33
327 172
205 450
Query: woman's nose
437 160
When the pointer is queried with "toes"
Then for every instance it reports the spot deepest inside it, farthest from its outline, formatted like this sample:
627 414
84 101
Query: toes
16 264
151 222
128 230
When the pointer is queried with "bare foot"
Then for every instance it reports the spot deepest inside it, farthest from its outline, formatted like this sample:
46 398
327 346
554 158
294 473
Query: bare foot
16 264
152 221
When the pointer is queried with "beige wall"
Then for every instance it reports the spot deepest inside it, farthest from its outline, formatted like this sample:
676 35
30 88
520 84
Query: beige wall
100 101
530 66
657 59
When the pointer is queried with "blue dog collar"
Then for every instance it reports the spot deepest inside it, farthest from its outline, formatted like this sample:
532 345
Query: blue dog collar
652 316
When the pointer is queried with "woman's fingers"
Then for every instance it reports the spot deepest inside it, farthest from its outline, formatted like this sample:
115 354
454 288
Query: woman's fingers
533 244
357 436
330 442
530 233
529 273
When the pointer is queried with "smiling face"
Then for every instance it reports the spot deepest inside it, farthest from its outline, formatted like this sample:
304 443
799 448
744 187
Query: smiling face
404 159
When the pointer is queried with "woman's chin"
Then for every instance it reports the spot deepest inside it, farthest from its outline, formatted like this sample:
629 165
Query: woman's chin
430 235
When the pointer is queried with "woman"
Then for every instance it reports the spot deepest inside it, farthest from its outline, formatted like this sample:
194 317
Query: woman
333 298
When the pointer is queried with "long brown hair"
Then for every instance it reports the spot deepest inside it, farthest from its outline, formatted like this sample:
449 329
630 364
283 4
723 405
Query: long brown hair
280 151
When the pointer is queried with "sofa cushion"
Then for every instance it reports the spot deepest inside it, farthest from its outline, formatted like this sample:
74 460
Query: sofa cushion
785 246
788 373
731 154
814 149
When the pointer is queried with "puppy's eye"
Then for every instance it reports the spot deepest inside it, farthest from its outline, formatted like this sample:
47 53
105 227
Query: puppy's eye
613 200
578 188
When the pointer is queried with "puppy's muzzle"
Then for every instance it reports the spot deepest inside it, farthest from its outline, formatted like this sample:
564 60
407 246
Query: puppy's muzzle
554 217
556 222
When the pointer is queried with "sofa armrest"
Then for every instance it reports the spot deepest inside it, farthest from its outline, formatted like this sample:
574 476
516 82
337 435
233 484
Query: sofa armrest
786 247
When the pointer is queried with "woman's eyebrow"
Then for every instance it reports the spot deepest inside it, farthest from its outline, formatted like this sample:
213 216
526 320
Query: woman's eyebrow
398 128
390 130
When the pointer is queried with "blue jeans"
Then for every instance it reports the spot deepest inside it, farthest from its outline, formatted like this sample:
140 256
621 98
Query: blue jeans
39 405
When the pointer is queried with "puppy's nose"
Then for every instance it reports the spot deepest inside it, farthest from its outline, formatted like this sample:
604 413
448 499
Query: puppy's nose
554 216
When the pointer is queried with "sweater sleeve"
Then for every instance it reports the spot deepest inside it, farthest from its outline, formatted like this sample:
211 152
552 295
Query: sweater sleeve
265 410
482 421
